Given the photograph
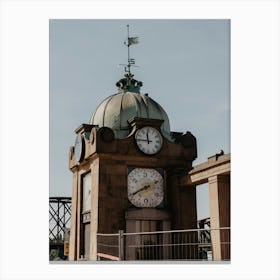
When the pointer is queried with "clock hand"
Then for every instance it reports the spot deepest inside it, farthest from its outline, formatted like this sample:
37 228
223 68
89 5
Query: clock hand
141 140
144 188
148 138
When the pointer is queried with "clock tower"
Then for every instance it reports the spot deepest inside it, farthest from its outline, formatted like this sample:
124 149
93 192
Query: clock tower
126 166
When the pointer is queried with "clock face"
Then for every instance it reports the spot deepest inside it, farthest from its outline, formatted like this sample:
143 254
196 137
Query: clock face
79 148
87 192
145 187
148 140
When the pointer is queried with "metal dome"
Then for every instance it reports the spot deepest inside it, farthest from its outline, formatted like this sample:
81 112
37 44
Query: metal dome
117 109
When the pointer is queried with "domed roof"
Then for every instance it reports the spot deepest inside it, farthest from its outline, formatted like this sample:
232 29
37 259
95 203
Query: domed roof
117 109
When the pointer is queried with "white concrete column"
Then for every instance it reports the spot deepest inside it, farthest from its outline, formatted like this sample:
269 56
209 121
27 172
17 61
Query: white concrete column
94 209
214 217
73 228
219 194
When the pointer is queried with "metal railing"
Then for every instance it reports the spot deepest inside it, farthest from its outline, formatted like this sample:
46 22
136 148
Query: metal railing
191 244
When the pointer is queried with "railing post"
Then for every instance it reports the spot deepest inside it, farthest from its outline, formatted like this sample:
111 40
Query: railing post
121 245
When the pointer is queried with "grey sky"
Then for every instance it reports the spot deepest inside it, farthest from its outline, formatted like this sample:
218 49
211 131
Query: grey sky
184 66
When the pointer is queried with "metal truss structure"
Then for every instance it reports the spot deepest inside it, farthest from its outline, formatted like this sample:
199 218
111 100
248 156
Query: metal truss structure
59 218
204 224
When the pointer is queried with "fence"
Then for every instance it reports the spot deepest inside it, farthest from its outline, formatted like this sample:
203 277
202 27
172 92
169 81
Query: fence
193 244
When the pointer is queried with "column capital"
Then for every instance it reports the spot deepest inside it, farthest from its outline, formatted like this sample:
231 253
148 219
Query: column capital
219 179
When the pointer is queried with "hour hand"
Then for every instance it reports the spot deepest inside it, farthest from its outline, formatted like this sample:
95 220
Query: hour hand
138 139
144 188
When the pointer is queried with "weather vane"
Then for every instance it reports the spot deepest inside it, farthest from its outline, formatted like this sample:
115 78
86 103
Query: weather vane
129 83
130 61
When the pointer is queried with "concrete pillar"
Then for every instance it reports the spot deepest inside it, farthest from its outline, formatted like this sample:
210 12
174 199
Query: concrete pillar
94 209
73 229
219 194
79 211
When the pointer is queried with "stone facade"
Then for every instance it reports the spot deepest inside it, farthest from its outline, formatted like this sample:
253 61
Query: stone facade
108 160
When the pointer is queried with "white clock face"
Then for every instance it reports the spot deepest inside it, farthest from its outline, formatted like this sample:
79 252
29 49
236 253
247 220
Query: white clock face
145 187
148 140
87 192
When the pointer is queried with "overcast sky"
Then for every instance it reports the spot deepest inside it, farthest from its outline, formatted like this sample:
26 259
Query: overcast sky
184 66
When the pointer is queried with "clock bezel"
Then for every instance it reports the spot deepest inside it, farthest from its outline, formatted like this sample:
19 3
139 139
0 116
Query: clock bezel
140 147
79 155
148 204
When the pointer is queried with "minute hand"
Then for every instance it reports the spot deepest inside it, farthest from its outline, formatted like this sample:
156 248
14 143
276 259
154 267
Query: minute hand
148 138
